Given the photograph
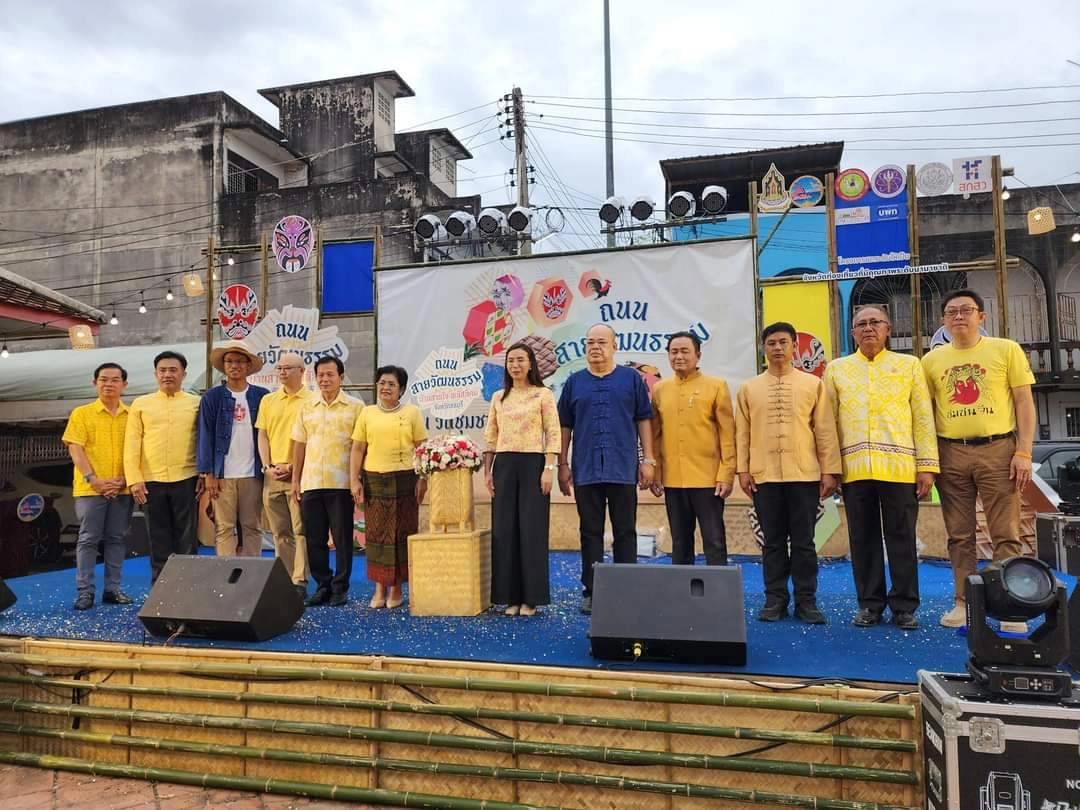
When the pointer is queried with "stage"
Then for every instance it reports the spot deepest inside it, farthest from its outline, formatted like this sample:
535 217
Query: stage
554 637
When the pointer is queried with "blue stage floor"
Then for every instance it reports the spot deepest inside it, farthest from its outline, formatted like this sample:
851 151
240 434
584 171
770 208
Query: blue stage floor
556 636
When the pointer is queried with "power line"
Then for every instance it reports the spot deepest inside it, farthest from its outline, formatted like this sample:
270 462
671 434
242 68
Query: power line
897 94
814 114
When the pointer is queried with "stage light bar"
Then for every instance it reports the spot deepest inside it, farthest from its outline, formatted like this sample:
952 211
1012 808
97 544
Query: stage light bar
714 199
611 210
427 226
642 208
491 221
682 204
460 223
520 218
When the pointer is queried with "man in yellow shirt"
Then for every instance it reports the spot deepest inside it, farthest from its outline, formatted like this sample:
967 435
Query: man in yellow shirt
788 460
322 445
885 421
277 416
694 440
985 416
95 440
159 461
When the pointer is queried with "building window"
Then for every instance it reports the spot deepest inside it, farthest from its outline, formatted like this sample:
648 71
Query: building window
436 160
244 177
450 166
386 109
1072 423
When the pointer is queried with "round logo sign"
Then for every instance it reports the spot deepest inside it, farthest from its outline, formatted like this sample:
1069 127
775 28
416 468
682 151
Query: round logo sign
809 354
852 185
238 310
889 181
934 179
806 191
30 507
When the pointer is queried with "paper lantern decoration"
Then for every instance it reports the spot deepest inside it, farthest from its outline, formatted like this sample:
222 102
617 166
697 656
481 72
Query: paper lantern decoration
550 301
488 328
1040 220
81 336
293 243
507 292
238 311
193 285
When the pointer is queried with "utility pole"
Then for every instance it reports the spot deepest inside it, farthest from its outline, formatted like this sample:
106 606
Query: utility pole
609 143
521 170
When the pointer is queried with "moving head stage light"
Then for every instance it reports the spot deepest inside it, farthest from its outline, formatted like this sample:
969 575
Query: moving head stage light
1018 590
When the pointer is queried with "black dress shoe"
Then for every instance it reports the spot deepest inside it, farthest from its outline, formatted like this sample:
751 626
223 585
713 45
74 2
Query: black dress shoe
809 613
772 613
320 597
116 598
338 599
586 605
84 601
865 617
905 620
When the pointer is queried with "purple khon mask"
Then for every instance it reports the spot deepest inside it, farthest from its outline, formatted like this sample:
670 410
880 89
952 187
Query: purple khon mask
292 243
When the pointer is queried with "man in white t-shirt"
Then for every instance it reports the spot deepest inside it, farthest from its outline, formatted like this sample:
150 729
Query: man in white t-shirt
226 456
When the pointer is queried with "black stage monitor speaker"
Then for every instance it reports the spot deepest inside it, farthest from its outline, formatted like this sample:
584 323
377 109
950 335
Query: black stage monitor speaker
237 598
688 613
1074 629
7 596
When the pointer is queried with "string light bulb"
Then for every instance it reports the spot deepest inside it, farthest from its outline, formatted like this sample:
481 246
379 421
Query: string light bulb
1075 237
4 352
1005 193
142 303
169 296
231 261
114 321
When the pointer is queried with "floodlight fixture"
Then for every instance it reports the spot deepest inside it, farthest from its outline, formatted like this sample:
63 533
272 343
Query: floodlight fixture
460 223
682 204
491 221
642 208
714 199
427 227
520 218
611 210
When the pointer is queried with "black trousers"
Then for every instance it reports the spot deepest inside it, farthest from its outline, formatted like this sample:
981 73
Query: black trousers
171 521
621 503
687 506
787 513
519 531
326 511
876 510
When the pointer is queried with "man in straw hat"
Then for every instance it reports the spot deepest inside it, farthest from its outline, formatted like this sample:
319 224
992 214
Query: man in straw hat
227 455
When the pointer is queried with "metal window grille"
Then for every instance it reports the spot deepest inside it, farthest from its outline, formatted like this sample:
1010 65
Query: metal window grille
386 110
1072 422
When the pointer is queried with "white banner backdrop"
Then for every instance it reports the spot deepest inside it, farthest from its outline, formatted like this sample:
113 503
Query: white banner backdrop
450 325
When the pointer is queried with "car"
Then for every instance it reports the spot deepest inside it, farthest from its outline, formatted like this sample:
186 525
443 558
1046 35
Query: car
1059 465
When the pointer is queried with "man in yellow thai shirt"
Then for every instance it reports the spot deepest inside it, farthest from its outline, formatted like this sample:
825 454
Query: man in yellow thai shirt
694 441
885 422
985 417
159 461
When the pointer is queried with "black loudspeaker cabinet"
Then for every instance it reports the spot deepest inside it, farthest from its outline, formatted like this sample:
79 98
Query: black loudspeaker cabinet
237 598
1074 630
7 596
688 613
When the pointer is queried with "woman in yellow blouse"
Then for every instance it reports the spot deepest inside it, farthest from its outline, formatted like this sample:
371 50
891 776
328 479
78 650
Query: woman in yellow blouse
381 462
522 428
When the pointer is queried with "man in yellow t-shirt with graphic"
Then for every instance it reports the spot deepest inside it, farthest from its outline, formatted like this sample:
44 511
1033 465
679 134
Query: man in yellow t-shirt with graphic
985 418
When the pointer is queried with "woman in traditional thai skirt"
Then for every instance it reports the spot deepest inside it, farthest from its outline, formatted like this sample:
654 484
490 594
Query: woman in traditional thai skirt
381 463
522 435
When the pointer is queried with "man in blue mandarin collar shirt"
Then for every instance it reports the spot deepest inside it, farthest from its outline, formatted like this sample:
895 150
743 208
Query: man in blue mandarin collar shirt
605 408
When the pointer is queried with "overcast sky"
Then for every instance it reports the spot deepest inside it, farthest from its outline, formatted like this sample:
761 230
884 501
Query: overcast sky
63 55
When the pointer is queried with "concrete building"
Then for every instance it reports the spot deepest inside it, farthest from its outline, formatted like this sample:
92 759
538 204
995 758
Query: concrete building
114 205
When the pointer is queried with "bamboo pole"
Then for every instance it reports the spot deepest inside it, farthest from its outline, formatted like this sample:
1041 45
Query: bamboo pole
759 298
278 786
210 301
264 273
588 721
413 766
634 694
593 753
913 249
998 205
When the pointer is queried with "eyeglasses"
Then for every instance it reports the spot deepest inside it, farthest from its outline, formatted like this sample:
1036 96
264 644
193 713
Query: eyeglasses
873 324
959 311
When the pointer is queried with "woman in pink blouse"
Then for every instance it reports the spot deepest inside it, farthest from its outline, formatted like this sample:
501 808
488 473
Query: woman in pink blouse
522 437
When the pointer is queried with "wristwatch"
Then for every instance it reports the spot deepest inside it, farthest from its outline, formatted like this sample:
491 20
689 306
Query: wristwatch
650 461
89 478
550 466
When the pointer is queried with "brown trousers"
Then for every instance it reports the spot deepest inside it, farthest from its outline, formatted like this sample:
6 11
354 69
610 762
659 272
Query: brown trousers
283 514
238 503
967 472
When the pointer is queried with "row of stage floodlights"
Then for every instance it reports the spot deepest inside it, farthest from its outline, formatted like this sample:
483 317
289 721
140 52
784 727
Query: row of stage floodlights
462 225
681 205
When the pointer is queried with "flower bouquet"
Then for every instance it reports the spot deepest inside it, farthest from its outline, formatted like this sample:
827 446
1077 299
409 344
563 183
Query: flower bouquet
449 462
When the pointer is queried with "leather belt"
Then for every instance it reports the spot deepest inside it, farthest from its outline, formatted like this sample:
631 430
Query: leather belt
978 439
